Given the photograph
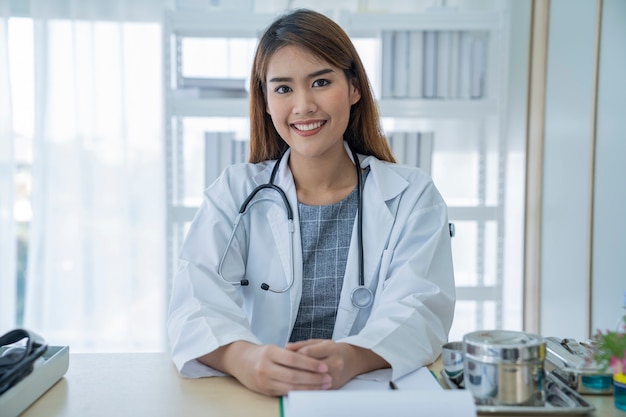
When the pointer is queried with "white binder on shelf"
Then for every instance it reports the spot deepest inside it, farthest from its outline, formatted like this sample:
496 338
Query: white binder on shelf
401 64
465 65
387 65
443 64
430 64
455 63
477 85
425 153
416 63
219 153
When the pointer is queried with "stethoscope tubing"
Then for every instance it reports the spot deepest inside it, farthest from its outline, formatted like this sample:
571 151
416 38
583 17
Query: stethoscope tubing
291 230
361 296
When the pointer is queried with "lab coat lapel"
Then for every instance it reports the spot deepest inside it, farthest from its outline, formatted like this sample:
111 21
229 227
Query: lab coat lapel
381 187
277 218
384 186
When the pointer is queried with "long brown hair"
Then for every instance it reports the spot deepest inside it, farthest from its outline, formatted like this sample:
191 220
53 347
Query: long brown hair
325 39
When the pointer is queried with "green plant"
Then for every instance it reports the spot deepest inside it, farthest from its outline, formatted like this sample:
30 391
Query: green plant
609 351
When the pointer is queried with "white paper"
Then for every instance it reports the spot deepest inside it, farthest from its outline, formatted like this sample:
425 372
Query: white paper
398 403
422 379
369 395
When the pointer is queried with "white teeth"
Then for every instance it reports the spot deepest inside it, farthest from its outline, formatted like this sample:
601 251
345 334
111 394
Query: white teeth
309 126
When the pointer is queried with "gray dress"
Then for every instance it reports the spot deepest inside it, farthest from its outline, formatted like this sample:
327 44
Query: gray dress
326 232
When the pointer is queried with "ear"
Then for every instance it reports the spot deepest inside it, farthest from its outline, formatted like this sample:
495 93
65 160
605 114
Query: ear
355 92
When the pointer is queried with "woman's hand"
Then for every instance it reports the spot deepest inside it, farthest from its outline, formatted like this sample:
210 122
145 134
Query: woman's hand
344 361
269 369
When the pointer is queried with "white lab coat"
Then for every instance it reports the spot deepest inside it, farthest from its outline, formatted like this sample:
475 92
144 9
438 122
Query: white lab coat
407 264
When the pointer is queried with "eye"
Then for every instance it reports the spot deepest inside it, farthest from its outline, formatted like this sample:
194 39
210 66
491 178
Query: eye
322 82
282 89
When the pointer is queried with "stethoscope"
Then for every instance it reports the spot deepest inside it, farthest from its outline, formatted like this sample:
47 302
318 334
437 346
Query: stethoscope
361 296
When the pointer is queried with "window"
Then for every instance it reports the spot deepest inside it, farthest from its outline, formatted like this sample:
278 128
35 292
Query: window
21 70
85 95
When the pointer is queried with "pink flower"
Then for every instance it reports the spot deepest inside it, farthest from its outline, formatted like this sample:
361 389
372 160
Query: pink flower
617 364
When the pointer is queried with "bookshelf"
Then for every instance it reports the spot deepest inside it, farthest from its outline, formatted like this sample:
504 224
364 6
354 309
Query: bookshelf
448 67
408 111
192 147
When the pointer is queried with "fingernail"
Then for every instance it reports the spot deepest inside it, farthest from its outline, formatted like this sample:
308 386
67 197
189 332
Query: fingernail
326 384
322 368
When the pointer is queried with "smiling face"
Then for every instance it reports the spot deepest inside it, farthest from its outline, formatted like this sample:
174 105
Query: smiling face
309 102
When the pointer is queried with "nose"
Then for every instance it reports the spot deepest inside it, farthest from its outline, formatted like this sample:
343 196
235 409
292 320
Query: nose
303 102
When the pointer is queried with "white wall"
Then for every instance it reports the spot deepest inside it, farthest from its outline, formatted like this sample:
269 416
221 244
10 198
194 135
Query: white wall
567 174
515 132
569 77
609 237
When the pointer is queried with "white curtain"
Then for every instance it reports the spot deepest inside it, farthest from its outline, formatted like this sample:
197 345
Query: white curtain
7 185
96 267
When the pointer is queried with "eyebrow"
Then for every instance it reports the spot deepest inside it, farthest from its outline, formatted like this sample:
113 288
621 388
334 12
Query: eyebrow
311 75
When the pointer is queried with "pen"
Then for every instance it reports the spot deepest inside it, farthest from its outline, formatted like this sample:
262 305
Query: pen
392 385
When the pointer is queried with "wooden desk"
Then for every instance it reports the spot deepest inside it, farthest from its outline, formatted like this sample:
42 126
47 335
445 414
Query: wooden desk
147 384
144 385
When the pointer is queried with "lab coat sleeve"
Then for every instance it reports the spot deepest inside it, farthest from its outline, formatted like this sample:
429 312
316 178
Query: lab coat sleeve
415 296
205 311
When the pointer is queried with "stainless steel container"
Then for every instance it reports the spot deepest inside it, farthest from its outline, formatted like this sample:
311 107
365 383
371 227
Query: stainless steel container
569 360
504 367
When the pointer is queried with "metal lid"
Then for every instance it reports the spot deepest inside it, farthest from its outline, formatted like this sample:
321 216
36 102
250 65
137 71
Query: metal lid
498 346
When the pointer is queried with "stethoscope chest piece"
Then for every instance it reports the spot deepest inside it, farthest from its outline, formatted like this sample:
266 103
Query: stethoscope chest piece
362 297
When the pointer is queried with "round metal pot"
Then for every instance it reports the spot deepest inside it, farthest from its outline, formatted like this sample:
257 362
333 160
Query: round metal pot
504 367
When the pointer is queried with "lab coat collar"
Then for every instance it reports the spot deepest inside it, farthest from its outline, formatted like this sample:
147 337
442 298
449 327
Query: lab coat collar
283 179
394 183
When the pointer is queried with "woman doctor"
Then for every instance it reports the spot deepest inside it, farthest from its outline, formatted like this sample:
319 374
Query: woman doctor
295 305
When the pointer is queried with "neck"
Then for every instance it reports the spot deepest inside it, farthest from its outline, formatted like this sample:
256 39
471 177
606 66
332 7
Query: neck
323 181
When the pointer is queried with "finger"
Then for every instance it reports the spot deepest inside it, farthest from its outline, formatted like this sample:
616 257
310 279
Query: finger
275 371
295 346
283 367
299 361
277 388
301 380
321 349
